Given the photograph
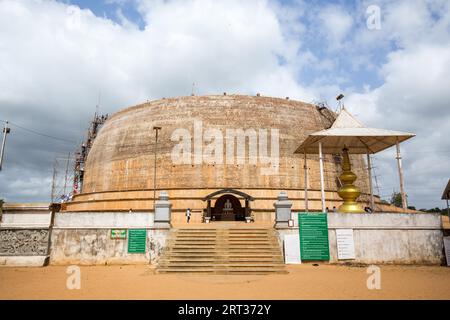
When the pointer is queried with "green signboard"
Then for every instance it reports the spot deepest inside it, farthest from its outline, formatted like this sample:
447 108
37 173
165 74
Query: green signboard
118 233
313 228
137 239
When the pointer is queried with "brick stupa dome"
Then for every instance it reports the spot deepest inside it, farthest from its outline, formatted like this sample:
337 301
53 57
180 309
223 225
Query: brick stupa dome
119 168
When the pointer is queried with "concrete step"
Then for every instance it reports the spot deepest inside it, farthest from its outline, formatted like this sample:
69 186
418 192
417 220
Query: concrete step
225 254
175 257
224 247
215 264
235 271
200 262
220 240
214 259
223 266
225 236
223 243
222 251
223 231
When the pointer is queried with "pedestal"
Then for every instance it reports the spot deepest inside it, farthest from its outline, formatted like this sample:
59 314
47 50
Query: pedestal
163 209
282 210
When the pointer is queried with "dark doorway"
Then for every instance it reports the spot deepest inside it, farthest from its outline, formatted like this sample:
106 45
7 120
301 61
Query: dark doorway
228 208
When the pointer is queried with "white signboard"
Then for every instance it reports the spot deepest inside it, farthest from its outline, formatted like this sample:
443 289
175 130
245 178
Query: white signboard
345 244
292 249
447 249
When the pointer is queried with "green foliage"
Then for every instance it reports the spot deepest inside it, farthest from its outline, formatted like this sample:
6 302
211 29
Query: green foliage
396 199
435 210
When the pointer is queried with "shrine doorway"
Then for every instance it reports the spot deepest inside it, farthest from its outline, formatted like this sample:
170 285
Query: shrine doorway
228 207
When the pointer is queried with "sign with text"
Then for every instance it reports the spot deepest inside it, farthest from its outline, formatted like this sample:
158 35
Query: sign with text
313 231
137 239
118 233
292 249
345 244
447 249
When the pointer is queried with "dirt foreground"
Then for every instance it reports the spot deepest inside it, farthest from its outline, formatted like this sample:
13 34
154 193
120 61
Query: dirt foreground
303 282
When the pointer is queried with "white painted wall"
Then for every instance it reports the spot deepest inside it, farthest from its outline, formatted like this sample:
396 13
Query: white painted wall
386 237
18 217
103 220
84 238
26 220
399 221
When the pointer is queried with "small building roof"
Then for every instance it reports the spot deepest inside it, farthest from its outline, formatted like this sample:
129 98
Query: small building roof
347 131
446 193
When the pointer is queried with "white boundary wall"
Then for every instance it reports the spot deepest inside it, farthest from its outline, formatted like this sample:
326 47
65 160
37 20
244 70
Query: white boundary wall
24 234
386 237
85 238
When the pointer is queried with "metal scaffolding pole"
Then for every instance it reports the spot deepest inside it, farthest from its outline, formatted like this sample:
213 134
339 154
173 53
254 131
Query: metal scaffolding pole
448 209
306 184
400 173
53 192
322 189
67 171
369 170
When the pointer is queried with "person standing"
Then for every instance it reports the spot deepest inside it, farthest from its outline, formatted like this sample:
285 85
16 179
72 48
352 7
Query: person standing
188 215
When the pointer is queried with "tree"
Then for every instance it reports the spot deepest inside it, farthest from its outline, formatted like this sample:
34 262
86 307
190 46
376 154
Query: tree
396 199
434 210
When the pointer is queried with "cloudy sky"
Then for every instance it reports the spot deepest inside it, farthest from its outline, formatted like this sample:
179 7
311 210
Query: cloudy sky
57 58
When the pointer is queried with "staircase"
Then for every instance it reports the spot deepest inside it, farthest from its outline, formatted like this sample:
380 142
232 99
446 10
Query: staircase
222 251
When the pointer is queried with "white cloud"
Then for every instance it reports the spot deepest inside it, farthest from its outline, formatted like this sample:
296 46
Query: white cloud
56 58
337 24
413 97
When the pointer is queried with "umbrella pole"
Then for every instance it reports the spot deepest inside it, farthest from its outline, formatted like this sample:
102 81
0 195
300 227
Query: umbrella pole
448 209
400 173
369 169
322 191
306 184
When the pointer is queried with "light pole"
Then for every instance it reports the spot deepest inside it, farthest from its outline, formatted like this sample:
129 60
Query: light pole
154 166
6 130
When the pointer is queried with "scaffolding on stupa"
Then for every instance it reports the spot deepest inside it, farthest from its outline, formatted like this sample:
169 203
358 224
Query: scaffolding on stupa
82 153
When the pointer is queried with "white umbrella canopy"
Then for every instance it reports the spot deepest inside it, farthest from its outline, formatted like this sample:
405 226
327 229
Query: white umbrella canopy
446 193
347 131
446 197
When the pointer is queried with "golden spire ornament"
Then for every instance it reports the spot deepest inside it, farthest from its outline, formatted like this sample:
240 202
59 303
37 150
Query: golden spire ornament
348 192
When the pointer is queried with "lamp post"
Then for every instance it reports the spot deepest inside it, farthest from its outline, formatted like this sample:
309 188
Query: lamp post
154 165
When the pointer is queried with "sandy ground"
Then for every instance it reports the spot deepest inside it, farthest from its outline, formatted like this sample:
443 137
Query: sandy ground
303 282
